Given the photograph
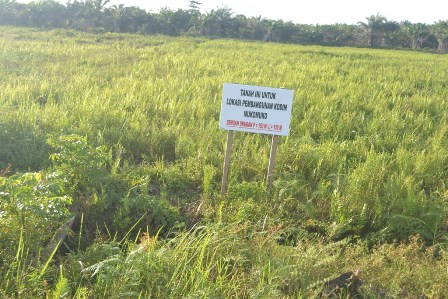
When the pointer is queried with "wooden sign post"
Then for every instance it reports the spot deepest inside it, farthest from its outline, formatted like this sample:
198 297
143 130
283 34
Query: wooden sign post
254 109
271 166
225 171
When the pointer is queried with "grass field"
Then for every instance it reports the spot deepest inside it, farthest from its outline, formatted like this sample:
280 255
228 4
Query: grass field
121 132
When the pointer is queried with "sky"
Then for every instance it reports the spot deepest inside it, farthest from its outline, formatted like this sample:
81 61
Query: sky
314 11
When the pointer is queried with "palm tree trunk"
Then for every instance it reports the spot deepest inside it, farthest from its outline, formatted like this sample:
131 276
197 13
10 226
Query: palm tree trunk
443 45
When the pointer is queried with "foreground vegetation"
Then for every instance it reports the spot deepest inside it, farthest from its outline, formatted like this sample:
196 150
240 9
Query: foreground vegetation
121 133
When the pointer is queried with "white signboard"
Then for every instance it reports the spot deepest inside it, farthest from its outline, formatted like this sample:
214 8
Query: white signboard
256 109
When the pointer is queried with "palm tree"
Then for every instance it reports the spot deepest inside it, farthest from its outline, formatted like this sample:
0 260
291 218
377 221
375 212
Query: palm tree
255 26
82 15
195 16
372 31
194 5
217 22
417 34
440 31
116 12
175 22
269 26
47 13
99 5
5 4
7 12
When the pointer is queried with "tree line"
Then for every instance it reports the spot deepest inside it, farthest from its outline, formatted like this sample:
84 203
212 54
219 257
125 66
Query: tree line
99 16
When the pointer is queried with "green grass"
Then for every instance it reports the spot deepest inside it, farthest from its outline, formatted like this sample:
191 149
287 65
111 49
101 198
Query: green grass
122 132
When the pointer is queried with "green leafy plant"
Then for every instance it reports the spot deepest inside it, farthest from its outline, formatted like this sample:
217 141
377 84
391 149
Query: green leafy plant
32 207
79 162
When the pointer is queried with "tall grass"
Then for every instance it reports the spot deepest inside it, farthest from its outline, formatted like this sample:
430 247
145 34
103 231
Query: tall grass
132 125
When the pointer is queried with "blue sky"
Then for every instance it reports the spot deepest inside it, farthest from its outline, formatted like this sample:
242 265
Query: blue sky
315 11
